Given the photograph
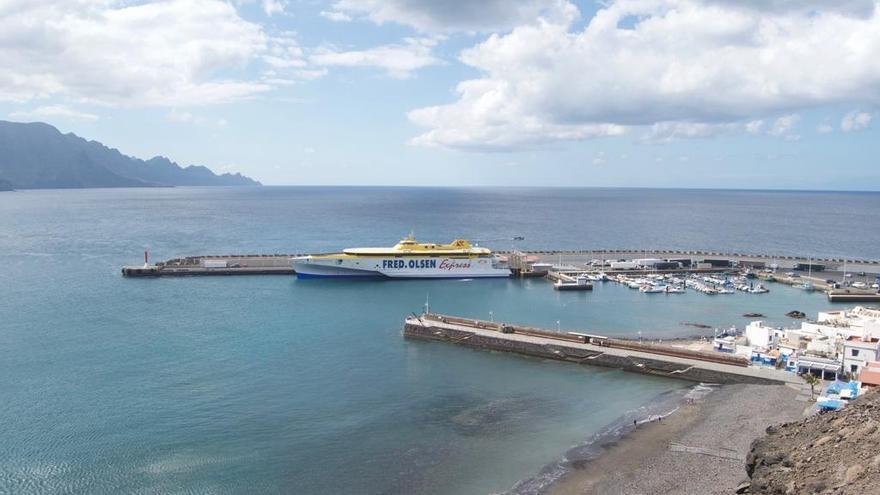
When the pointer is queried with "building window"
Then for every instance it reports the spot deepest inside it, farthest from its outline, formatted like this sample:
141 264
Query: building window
855 352
854 368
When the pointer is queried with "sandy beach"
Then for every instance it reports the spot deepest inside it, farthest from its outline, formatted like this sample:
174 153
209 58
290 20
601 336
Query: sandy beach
700 448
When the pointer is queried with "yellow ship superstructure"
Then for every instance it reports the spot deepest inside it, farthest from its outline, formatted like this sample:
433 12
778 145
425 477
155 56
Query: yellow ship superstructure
406 259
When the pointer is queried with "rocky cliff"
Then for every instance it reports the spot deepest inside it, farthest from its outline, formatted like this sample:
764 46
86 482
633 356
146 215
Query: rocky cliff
829 453
37 155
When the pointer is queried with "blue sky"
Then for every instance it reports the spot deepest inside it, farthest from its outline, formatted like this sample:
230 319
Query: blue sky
643 93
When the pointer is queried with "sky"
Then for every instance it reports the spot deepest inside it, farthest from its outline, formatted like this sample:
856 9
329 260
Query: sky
760 94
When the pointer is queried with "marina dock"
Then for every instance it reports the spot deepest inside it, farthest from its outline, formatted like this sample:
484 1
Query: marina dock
588 349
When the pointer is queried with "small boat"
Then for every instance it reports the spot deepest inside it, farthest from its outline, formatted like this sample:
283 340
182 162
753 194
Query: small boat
652 289
580 283
675 289
759 289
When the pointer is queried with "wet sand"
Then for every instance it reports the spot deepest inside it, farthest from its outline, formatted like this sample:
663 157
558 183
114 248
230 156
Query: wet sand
700 448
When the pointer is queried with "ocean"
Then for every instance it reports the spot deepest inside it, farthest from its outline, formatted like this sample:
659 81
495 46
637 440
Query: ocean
269 384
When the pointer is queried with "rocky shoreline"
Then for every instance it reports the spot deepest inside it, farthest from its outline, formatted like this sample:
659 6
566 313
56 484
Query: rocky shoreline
829 453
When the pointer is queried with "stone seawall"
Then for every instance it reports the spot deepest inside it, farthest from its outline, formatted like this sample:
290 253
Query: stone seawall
561 352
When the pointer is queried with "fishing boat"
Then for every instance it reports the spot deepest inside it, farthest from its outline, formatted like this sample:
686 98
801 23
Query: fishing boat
759 289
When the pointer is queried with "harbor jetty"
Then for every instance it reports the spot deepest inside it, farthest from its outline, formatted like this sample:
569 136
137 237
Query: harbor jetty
232 264
819 271
597 350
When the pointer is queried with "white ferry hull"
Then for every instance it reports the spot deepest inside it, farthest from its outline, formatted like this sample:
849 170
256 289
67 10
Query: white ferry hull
409 267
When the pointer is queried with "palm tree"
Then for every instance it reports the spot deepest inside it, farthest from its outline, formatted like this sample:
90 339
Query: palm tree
812 381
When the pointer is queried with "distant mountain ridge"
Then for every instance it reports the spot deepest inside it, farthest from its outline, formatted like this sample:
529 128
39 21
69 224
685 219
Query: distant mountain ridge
37 156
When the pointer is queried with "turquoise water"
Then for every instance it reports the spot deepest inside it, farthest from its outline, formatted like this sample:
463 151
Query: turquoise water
274 385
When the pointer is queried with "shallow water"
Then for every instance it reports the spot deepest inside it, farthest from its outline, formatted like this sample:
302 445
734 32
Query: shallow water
270 384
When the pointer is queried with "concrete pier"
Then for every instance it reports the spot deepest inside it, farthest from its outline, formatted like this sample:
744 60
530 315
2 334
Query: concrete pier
586 349
237 264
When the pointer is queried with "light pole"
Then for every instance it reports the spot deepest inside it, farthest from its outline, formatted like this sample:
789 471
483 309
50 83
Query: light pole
557 326
491 316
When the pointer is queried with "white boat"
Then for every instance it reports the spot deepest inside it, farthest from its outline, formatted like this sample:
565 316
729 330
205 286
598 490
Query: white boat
579 283
675 289
406 259
652 289
759 289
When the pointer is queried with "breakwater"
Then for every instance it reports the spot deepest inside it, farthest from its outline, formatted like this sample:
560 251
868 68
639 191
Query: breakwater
279 263
596 350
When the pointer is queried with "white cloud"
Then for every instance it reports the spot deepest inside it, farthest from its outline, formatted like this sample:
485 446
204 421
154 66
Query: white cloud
855 120
54 112
271 7
180 117
399 60
824 128
113 52
666 132
184 117
448 16
701 64
754 126
335 15
784 127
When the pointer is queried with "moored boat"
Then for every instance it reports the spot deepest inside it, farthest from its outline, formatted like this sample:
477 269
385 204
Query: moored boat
406 259
579 283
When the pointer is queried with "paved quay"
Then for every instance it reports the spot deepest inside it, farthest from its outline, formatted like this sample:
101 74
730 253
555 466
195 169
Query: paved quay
586 349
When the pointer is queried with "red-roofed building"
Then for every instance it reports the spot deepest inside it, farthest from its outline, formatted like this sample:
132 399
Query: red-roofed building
870 375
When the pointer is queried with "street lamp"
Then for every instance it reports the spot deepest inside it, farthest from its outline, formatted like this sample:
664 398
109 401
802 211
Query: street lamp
557 326
492 316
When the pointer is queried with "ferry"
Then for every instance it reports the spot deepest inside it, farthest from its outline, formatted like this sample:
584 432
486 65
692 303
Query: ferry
407 259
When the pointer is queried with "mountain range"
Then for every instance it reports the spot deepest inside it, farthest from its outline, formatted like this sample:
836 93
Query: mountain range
37 156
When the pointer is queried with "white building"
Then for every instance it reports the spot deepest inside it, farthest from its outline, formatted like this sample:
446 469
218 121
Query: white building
859 351
758 335
858 321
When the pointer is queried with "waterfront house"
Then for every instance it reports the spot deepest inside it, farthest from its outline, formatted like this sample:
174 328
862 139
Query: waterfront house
758 334
822 367
857 351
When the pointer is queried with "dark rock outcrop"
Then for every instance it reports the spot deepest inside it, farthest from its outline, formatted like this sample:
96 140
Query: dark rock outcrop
833 453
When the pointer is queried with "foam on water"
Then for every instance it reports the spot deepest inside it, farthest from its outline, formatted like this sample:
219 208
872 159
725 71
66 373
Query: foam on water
662 406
